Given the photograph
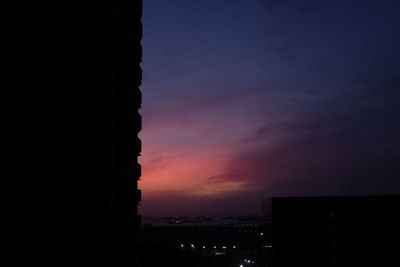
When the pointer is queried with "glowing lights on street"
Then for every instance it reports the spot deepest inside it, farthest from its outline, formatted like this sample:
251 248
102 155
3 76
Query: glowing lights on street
216 251
248 261
215 247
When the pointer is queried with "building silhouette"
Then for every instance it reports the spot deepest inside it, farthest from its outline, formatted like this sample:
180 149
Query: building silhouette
336 231
81 78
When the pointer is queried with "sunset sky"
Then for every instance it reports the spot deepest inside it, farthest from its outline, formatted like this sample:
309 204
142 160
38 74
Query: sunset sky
249 99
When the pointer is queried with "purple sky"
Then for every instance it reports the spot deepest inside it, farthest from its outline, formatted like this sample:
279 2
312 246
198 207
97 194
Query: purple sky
249 99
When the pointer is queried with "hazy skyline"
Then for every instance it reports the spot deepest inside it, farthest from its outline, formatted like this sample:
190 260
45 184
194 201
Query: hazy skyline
244 100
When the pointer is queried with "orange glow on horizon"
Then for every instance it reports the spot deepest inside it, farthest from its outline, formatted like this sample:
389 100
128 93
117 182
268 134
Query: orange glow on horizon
177 168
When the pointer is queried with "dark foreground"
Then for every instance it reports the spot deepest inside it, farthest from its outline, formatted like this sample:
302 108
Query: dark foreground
305 231
221 245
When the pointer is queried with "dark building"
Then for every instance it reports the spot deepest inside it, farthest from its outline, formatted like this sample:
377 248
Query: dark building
81 78
336 231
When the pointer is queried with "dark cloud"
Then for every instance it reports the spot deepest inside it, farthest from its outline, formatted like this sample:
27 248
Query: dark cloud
348 146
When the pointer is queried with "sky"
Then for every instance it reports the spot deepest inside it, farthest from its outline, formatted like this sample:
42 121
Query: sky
245 100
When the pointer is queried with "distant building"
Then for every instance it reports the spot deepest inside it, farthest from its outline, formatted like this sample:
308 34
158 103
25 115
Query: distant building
336 231
266 207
